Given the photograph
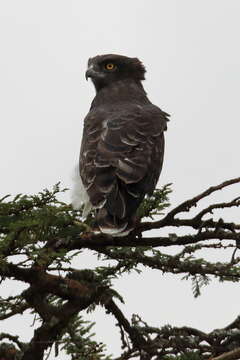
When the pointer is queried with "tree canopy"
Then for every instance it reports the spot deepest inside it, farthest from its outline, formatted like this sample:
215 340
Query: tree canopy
39 238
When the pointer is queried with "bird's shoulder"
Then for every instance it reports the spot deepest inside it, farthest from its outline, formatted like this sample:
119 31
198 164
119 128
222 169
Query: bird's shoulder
119 115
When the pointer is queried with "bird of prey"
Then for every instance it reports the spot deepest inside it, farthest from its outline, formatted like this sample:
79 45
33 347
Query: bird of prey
122 146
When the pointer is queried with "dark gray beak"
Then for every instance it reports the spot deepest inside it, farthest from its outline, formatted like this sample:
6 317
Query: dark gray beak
87 74
92 73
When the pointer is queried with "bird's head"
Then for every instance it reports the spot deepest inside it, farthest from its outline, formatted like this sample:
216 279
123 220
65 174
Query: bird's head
106 69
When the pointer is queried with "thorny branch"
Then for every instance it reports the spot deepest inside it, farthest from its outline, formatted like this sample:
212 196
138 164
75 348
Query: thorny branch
45 232
214 229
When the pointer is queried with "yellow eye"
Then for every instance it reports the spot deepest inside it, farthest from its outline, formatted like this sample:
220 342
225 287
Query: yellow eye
110 66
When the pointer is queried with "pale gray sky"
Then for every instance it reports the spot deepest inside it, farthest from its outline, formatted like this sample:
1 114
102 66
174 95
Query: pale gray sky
191 52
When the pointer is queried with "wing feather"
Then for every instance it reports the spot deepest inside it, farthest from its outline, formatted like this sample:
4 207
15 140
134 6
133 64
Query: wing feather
121 156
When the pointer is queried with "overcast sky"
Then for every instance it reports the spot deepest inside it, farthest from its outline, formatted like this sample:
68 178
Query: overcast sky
191 52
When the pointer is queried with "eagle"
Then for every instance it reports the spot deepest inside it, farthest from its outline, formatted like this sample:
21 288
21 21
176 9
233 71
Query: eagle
122 146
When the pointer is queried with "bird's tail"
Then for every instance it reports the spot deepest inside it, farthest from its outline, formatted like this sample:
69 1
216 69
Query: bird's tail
113 226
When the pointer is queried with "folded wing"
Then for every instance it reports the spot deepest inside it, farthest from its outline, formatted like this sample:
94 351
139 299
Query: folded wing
121 160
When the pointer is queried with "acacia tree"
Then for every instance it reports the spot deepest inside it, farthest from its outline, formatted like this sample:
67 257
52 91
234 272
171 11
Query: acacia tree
39 237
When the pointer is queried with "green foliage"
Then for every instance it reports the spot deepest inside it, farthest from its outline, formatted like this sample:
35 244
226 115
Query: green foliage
186 356
198 281
40 236
78 342
127 257
155 204
28 220
96 279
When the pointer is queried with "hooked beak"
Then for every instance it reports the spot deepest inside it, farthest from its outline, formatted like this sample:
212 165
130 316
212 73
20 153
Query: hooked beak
88 74
92 73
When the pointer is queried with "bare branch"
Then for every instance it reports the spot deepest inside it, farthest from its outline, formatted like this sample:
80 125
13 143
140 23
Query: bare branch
186 205
230 355
174 265
137 340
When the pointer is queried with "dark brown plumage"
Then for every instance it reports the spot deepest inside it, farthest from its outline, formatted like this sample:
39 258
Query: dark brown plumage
123 143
